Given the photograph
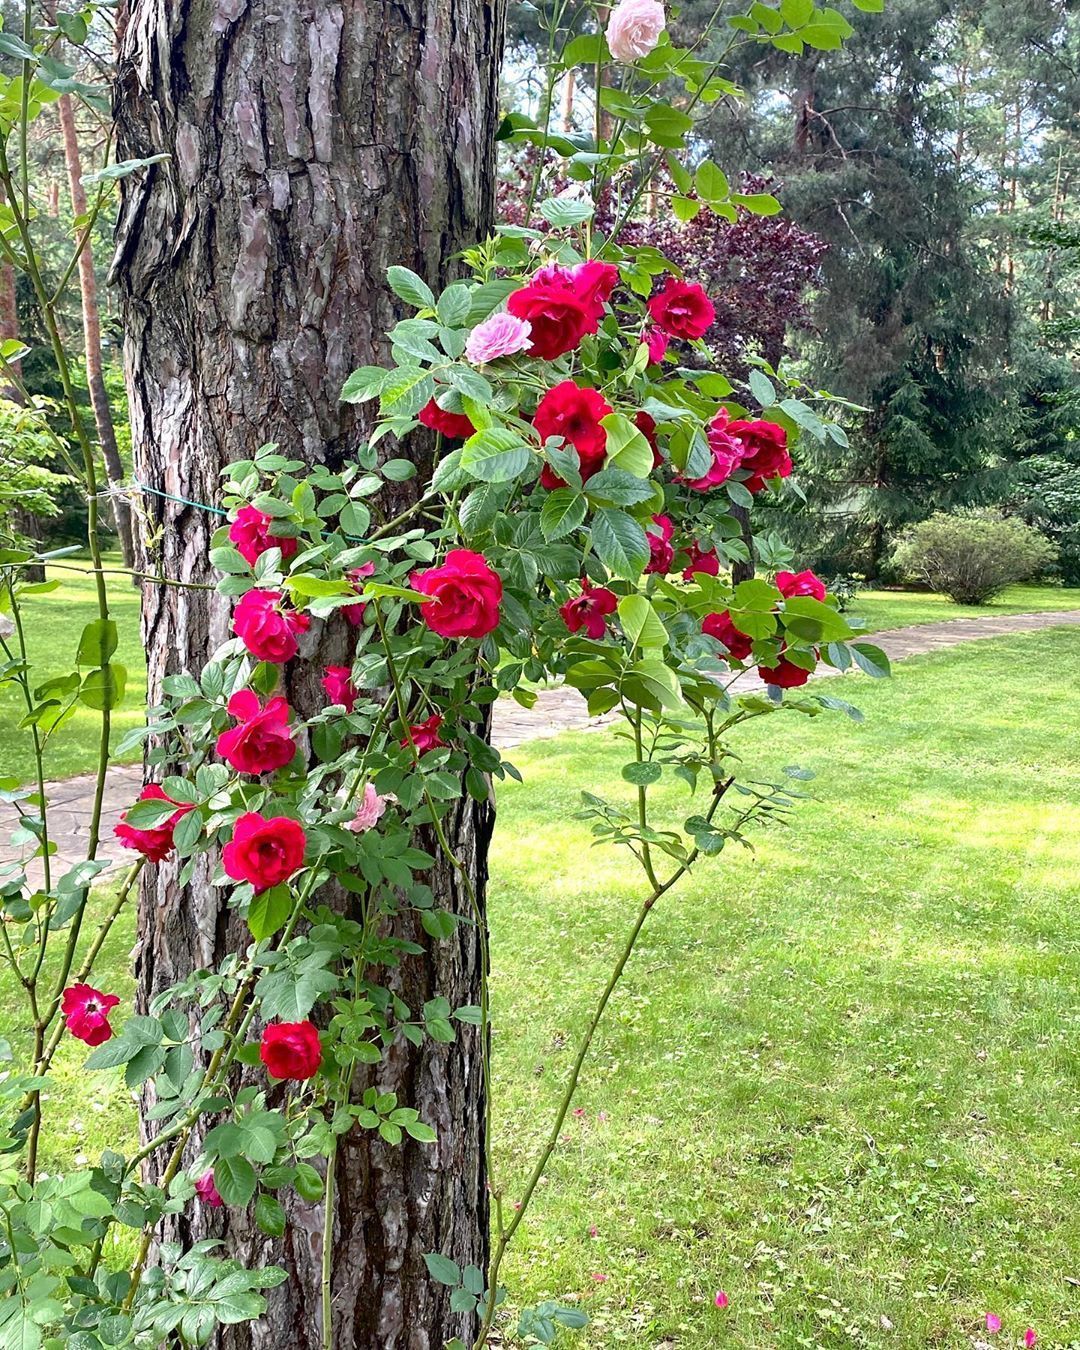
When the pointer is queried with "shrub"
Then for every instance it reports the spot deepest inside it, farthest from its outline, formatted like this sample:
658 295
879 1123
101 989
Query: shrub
973 555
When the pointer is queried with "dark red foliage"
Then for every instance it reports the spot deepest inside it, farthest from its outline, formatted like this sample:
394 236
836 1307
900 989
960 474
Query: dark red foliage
757 271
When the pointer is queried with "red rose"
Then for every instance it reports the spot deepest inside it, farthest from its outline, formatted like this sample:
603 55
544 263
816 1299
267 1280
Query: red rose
264 852
574 414
682 309
337 681
785 674
562 304
291 1049
721 627
701 560
727 454
425 735
661 554
156 842
657 342
356 578
764 454
250 532
86 1013
647 426
800 583
589 609
262 741
465 595
454 426
266 630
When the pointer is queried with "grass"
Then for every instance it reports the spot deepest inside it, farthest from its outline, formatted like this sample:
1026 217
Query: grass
53 623
898 609
840 1080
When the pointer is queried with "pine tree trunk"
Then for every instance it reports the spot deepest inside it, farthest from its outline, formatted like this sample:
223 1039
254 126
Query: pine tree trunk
311 144
95 377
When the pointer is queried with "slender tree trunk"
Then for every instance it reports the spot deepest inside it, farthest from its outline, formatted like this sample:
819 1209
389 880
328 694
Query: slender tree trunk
27 523
312 143
95 378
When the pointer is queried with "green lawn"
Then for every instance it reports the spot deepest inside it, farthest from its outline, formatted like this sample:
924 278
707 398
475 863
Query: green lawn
841 1080
897 609
53 623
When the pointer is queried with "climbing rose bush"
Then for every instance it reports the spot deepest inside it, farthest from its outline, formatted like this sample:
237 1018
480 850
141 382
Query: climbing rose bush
546 493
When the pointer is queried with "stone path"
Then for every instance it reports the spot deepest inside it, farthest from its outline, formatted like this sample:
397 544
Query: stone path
559 709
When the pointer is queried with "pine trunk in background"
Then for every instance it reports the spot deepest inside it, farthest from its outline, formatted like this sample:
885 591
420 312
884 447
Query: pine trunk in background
311 144
95 377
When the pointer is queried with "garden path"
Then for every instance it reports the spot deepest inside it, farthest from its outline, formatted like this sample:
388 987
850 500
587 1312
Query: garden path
558 709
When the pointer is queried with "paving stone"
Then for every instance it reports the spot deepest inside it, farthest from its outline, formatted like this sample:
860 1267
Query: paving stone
558 709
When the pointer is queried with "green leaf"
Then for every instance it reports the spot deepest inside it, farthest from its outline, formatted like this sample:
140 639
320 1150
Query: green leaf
104 688
441 1269
642 774
269 911
454 305
362 384
758 203
662 681
620 543
563 511
235 1180
405 391
495 455
685 208
616 487
870 659
269 1214
626 446
410 288
564 211
762 388
641 624
97 643
711 182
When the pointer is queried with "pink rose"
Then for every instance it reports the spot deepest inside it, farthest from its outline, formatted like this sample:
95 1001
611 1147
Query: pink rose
207 1191
634 29
356 577
369 812
727 453
501 335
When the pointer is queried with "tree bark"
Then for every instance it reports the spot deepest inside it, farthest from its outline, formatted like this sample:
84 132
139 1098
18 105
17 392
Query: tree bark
95 378
312 143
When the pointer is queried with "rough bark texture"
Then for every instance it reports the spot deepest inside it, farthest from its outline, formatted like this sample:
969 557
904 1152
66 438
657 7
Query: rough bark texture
312 143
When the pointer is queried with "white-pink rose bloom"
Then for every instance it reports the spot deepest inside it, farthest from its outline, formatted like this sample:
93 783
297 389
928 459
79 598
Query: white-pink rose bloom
634 29
501 335
369 812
